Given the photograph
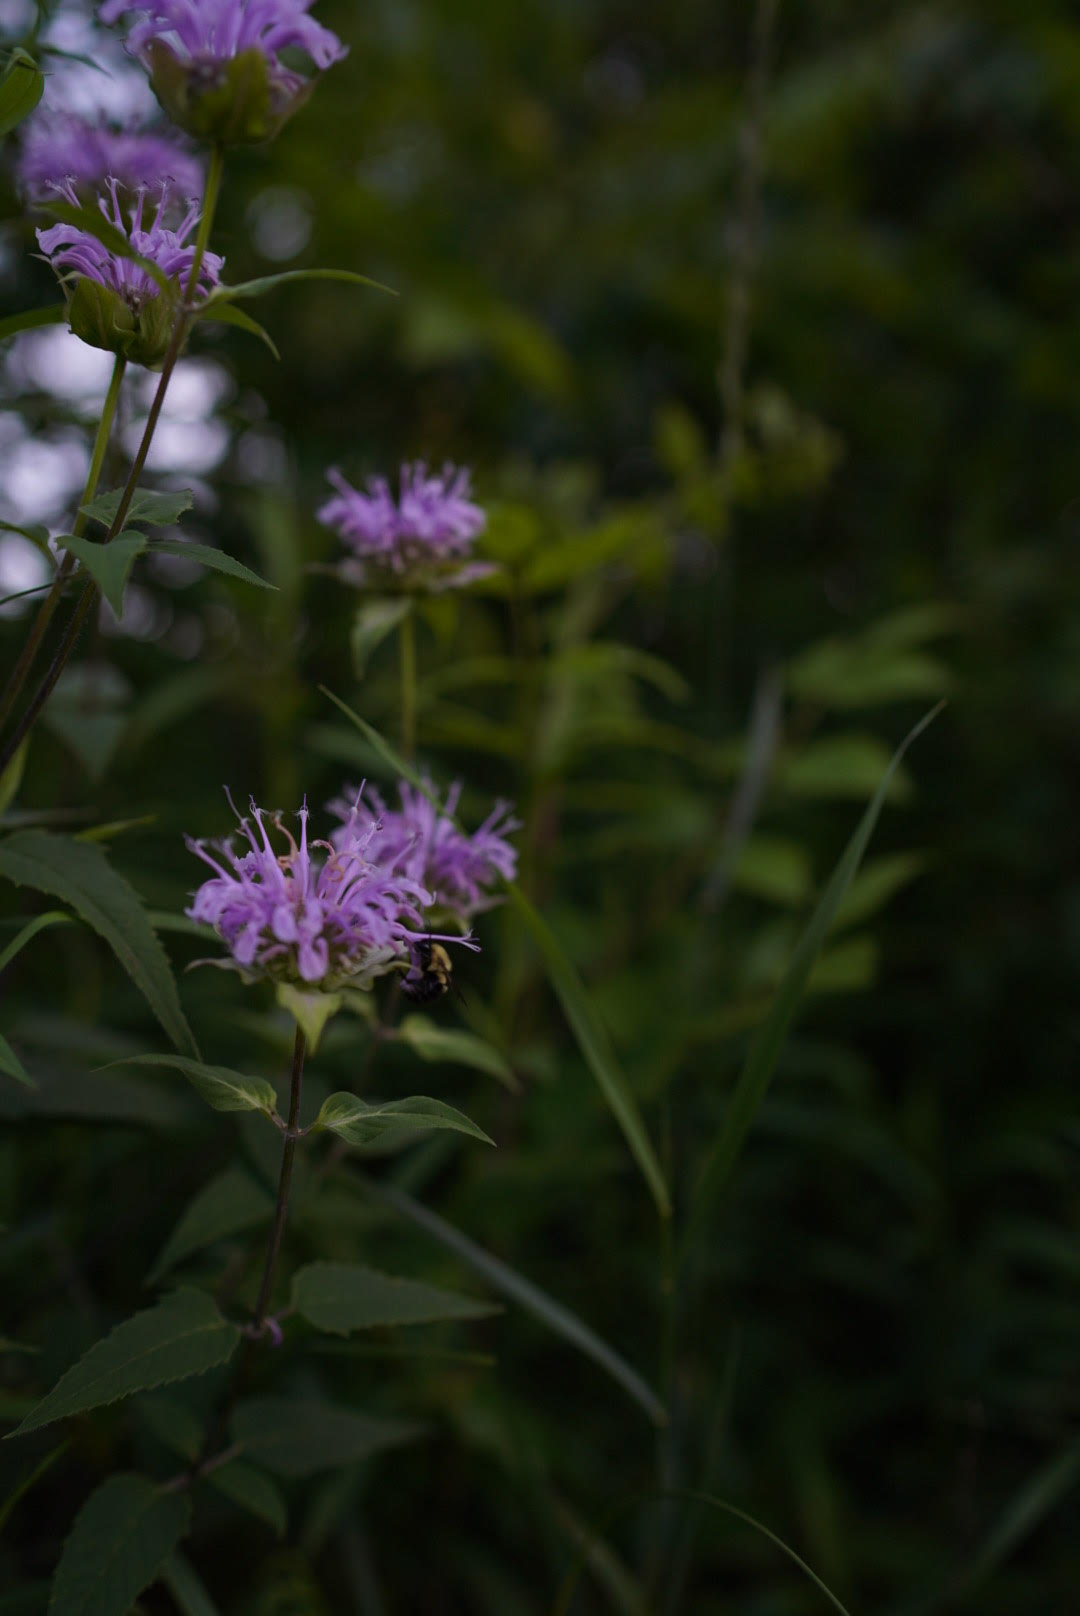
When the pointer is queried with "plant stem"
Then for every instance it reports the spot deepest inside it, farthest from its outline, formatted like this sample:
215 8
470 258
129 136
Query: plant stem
407 647
281 1209
176 343
51 601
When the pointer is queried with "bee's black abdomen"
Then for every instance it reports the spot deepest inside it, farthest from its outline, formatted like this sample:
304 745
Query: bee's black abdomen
423 988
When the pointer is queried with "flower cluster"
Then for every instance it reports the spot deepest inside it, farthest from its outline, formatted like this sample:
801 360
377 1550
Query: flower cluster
421 842
215 65
59 149
115 303
421 540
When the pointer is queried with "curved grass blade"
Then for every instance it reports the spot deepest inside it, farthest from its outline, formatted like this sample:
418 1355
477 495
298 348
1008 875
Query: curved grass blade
765 1051
30 1480
509 1283
569 989
52 917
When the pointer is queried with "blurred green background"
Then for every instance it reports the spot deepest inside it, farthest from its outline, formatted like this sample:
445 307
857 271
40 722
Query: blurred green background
875 1350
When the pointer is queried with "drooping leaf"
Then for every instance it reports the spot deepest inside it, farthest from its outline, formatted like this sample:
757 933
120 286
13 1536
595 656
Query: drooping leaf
359 1123
248 1487
267 283
31 319
108 564
121 1538
509 1283
183 1335
231 1202
219 1086
80 874
310 1010
180 1578
155 509
20 92
13 1066
434 1043
229 314
765 1051
298 1437
342 1297
207 556
376 617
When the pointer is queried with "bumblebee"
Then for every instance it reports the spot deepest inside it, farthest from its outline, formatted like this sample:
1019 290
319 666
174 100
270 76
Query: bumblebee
429 974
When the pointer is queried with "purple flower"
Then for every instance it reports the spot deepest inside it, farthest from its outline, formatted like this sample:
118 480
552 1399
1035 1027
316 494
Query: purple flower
344 917
215 63
420 541
68 247
58 147
421 842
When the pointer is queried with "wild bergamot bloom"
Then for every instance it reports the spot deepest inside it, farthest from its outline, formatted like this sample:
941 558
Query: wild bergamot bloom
112 302
215 65
420 541
59 147
337 916
421 842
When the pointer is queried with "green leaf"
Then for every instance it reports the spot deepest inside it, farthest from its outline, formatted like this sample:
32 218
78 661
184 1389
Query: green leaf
30 319
509 1283
839 767
878 881
253 1491
342 1297
156 510
311 1011
595 1047
108 564
20 92
297 1438
183 1335
80 874
180 1579
434 1043
220 1087
13 1066
765 1051
359 1123
226 314
172 1422
115 241
11 779
228 1204
33 1476
375 618
121 1538
267 283
773 868
207 556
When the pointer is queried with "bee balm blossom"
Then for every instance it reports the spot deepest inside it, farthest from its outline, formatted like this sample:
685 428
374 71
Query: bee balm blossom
421 540
421 841
215 64
59 147
326 918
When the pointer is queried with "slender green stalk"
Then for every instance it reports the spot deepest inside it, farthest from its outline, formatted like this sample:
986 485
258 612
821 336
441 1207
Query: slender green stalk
90 591
50 603
407 647
281 1208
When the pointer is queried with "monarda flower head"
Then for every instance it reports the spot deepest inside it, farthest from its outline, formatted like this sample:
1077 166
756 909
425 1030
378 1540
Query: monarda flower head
420 541
215 66
310 913
421 842
58 147
113 302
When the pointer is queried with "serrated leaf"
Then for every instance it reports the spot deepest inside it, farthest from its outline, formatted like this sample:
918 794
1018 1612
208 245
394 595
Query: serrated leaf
207 556
121 1538
31 319
248 1487
183 1335
13 1066
434 1043
115 241
20 92
311 1010
219 1086
267 283
108 564
80 874
374 619
155 509
230 1203
297 1438
359 1123
228 314
342 1297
